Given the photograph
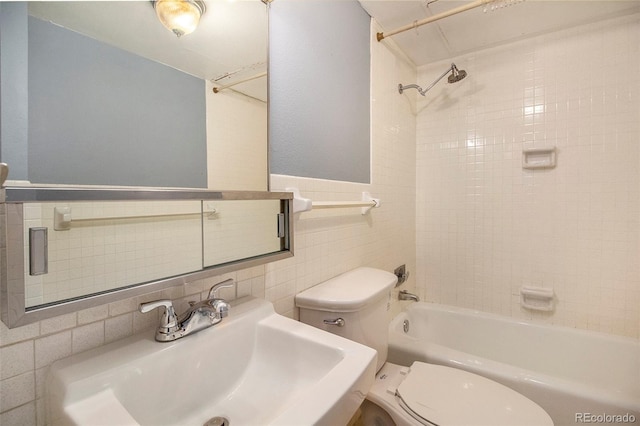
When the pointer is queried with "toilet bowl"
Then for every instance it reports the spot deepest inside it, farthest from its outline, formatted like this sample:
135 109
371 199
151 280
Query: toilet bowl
354 306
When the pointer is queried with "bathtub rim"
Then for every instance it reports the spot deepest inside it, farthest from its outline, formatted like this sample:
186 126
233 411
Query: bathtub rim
501 371
526 322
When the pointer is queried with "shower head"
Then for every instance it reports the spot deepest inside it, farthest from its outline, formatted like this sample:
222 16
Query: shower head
456 75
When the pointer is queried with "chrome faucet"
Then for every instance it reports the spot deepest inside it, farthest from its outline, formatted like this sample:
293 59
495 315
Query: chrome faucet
405 295
199 316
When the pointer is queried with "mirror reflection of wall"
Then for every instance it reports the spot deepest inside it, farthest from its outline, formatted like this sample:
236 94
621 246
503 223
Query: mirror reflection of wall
95 247
240 123
100 115
228 46
228 226
100 246
111 245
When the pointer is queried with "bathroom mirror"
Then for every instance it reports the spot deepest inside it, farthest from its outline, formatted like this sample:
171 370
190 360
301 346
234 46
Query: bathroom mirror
66 253
228 51
151 117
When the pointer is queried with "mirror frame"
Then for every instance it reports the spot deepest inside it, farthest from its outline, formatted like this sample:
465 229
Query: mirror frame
12 259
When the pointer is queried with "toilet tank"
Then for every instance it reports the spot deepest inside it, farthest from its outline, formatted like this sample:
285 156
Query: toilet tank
360 299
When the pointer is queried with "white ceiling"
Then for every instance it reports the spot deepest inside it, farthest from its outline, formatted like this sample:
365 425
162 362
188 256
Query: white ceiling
230 39
232 36
476 29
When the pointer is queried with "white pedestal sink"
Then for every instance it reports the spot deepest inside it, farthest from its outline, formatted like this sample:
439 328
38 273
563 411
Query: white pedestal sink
254 368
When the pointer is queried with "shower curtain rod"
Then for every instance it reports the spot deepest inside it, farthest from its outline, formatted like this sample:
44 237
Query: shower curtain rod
254 77
450 12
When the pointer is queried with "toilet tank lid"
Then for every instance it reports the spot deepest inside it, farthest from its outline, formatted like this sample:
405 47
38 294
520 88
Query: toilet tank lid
348 292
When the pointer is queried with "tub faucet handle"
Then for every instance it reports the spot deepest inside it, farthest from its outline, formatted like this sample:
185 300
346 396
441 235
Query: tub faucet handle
402 274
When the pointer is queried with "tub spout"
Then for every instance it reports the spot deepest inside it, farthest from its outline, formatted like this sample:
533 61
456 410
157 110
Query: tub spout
405 295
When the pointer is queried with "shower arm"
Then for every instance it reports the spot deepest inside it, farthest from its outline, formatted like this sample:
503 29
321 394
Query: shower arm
424 91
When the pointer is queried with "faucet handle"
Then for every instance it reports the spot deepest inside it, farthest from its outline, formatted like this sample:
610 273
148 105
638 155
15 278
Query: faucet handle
222 308
169 318
224 284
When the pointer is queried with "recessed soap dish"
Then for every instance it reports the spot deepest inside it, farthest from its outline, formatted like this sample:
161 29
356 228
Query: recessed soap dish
537 298
539 158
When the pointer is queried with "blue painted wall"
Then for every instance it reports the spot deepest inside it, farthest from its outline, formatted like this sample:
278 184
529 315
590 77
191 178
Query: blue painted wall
99 115
319 90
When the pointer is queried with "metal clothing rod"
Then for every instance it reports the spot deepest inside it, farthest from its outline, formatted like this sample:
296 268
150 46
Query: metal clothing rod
255 77
62 218
342 204
450 12
301 204
148 216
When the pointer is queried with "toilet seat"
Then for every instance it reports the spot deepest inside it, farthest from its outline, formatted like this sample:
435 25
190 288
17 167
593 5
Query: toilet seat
428 394
443 395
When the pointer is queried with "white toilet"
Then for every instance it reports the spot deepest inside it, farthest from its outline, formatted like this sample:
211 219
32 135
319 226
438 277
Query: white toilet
353 305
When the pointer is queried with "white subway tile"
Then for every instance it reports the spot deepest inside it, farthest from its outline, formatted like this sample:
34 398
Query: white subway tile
543 226
51 348
118 327
9 336
24 415
16 359
16 391
93 314
87 337
62 322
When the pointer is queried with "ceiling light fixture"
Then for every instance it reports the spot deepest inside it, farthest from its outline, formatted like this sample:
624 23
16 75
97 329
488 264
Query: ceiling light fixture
179 16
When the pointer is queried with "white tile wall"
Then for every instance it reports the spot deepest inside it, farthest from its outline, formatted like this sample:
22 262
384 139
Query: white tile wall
486 226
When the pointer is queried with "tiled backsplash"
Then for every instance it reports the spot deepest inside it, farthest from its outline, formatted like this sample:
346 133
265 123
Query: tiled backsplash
486 226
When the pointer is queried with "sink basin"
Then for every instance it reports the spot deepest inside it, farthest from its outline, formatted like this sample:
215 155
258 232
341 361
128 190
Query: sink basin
254 368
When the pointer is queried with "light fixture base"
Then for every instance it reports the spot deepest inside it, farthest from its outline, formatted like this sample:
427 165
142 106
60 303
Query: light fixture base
179 16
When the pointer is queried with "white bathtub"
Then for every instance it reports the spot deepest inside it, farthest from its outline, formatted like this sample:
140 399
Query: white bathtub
576 376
